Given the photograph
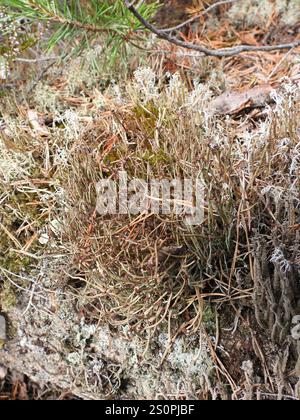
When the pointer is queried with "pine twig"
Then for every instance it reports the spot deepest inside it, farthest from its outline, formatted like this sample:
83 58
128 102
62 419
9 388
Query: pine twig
223 52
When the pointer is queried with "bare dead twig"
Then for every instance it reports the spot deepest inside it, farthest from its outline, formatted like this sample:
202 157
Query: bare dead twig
203 13
223 52
35 60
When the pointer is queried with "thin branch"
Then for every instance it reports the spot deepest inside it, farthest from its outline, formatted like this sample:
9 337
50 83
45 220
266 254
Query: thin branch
193 19
35 60
223 52
6 86
33 86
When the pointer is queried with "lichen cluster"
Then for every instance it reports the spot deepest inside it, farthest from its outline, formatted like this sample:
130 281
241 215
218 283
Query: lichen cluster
147 307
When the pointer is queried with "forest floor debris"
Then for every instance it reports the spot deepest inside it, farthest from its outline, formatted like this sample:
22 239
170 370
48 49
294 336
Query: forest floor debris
142 307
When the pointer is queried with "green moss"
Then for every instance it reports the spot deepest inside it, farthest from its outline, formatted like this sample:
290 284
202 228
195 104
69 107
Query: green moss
23 202
18 208
209 318
8 298
157 157
13 263
4 50
147 117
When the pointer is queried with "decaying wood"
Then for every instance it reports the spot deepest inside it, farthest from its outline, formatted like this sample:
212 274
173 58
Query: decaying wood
230 103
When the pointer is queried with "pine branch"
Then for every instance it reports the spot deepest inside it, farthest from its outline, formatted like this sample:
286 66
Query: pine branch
224 52
83 20
117 20
70 22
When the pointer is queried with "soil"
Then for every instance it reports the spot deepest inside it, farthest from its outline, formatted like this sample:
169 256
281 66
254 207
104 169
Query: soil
173 12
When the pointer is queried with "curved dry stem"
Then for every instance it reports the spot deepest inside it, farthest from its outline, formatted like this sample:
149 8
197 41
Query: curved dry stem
224 52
